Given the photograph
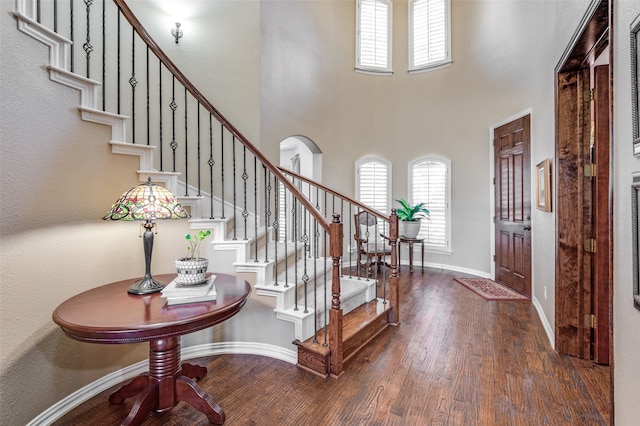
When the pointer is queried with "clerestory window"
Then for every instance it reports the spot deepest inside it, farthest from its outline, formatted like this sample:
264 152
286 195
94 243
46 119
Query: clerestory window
429 34
373 36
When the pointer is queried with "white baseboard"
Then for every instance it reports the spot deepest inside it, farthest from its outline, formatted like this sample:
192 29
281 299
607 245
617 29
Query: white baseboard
454 268
545 322
246 348
87 392
443 266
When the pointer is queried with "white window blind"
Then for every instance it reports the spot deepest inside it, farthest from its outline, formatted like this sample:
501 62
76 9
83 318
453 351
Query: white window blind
428 32
373 35
429 184
373 185
288 223
283 214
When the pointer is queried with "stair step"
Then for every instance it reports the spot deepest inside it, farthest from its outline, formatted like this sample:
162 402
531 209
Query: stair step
353 323
319 267
237 233
352 295
308 318
360 326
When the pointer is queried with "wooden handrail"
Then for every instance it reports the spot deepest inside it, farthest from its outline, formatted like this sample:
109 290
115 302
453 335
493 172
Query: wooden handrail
162 56
334 227
361 206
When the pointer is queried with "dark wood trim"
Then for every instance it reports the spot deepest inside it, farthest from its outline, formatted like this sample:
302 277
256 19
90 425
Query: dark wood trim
394 281
574 299
359 327
336 341
573 221
587 38
569 215
603 205
577 221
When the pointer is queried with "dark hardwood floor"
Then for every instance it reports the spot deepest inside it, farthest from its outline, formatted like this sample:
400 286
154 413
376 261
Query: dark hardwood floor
455 359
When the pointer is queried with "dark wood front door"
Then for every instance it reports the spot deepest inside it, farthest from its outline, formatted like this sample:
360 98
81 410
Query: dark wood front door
513 204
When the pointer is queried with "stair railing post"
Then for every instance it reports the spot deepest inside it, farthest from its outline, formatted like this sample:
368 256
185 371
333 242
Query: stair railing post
336 344
394 288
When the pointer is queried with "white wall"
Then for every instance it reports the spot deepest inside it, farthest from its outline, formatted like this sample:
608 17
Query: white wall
504 53
218 51
58 178
626 318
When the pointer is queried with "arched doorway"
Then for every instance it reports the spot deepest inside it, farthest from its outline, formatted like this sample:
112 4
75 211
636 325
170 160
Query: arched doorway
302 156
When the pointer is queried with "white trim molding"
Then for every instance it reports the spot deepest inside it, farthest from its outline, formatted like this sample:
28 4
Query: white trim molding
87 392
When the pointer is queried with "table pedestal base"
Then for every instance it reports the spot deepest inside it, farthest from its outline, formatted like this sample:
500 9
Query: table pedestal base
167 383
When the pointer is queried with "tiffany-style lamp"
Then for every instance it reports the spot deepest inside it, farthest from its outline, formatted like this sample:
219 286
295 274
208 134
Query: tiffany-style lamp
147 202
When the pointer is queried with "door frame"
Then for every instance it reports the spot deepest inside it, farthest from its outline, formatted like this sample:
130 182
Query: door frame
513 237
573 298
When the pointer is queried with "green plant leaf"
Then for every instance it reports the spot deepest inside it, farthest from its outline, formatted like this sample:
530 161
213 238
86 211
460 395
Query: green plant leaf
193 248
407 212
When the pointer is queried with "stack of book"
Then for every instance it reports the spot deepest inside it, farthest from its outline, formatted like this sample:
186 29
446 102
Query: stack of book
177 293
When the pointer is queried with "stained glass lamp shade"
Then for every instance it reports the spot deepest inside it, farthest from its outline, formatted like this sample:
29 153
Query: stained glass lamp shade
147 202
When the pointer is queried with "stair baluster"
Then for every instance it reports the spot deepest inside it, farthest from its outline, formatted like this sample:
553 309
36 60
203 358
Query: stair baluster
314 228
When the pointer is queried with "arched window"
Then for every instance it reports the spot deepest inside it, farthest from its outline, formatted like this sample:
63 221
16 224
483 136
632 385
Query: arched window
430 182
373 183
429 34
373 35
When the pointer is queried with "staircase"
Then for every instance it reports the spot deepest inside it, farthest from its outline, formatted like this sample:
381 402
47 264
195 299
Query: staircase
297 258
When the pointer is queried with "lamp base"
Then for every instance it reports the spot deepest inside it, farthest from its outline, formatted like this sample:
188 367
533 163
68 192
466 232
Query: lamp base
146 285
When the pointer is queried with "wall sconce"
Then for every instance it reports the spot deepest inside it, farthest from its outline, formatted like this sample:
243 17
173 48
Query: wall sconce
176 32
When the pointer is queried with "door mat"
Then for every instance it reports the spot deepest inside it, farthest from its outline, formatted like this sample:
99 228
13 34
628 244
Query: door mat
490 290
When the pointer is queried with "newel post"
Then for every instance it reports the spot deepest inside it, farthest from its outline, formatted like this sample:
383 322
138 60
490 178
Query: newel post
335 313
394 288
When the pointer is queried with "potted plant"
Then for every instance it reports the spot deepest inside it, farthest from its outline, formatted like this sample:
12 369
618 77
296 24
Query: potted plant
410 217
193 268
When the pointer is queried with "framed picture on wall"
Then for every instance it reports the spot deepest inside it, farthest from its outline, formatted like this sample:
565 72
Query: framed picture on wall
635 226
543 185
635 83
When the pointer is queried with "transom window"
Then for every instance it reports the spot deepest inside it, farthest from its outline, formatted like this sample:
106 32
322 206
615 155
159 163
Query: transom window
429 182
429 34
373 38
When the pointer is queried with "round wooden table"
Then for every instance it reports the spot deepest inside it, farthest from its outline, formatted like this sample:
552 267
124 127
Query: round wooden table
108 314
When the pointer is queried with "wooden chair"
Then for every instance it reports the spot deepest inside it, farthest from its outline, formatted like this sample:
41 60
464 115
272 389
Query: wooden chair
369 245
